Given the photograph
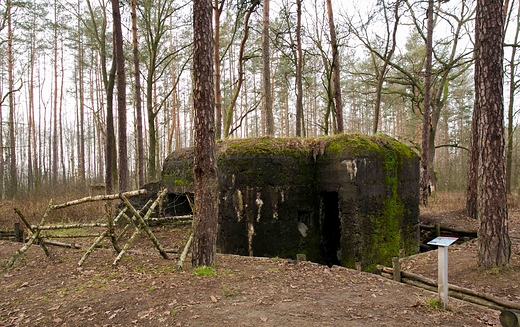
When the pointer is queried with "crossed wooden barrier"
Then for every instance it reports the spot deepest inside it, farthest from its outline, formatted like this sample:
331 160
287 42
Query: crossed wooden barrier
135 218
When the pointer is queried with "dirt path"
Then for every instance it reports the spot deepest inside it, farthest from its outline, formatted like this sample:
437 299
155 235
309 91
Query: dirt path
145 291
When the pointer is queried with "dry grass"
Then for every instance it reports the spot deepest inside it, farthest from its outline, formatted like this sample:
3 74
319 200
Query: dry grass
441 202
34 206
445 202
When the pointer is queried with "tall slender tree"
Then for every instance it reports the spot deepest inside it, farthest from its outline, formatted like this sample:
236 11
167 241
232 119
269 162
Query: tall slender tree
389 52
250 8
55 136
138 99
155 15
121 97
218 6
267 102
13 176
299 70
81 102
513 87
335 70
426 108
494 249
205 163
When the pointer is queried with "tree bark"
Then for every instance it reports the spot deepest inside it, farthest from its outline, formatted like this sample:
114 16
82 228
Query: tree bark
121 97
494 245
205 164
426 110
335 70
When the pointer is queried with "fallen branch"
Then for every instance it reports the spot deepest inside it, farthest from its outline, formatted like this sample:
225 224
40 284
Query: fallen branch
64 245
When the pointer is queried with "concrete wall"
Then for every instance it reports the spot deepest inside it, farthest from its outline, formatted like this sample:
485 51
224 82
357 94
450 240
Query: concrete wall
339 200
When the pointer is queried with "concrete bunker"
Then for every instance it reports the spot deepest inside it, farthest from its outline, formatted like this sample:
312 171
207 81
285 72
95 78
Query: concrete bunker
339 200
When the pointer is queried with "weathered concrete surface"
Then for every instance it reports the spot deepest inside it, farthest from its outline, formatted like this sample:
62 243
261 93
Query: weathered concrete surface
339 200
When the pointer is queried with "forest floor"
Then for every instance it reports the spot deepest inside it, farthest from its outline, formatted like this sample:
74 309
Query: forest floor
146 290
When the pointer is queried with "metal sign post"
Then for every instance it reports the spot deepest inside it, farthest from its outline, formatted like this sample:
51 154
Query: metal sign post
442 278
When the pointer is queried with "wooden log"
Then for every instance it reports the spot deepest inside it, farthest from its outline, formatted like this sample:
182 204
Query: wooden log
70 226
126 247
184 253
111 230
91 248
453 230
18 233
510 318
32 230
142 223
498 302
454 294
99 198
397 269
64 245
33 238
47 236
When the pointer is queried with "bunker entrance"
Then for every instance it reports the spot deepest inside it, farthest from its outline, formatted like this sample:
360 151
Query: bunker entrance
331 228
178 204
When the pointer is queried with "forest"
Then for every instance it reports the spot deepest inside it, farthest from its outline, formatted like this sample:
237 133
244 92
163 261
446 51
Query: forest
72 114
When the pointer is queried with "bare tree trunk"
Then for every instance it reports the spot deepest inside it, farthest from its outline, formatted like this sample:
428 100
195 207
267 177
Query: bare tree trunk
267 101
31 122
110 144
55 147
494 243
513 86
217 11
138 99
382 73
426 111
335 70
121 98
2 160
205 164
231 108
299 69
81 86
13 177
60 119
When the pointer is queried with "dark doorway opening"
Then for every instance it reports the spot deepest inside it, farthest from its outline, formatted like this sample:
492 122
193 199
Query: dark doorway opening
331 228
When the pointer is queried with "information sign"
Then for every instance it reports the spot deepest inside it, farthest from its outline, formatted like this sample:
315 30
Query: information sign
443 241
